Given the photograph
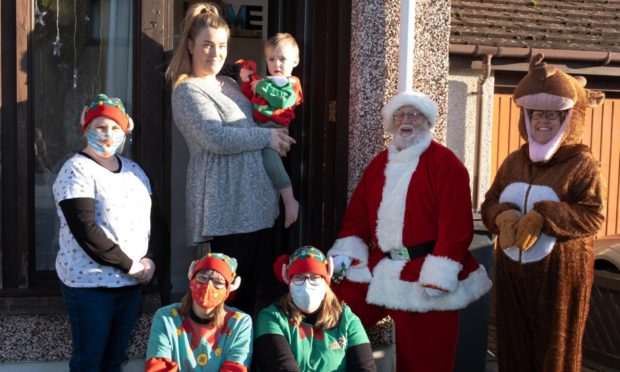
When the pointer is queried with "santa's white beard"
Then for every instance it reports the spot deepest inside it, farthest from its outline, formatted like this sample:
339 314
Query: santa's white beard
402 143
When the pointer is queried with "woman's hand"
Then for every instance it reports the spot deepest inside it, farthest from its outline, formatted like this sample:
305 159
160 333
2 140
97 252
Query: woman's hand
149 270
281 141
143 270
136 268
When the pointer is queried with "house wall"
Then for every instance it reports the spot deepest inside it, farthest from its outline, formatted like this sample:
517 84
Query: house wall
463 136
374 70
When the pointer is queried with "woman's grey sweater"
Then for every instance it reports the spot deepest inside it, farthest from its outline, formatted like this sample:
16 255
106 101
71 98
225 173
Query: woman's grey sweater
228 190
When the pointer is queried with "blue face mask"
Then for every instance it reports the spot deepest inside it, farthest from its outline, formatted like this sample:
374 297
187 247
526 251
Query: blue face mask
96 139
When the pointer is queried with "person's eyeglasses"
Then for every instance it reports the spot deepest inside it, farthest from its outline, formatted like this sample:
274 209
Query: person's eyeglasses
313 279
399 116
550 115
204 278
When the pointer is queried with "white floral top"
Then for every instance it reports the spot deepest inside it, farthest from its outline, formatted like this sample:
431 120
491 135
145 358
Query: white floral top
122 210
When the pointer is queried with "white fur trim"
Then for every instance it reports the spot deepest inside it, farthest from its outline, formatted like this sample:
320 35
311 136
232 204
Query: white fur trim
398 172
409 98
441 272
359 274
387 289
351 246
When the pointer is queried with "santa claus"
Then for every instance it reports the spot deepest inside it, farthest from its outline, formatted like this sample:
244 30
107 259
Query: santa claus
403 247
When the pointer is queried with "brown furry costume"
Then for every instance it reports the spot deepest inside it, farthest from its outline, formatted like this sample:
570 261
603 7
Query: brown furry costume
542 293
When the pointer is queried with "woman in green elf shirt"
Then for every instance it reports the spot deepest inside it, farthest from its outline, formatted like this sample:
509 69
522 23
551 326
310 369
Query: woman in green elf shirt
309 329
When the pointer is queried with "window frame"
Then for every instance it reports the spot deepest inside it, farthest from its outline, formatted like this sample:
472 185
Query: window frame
152 40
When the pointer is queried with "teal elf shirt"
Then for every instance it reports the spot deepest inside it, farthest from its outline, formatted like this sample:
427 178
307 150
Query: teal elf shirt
315 350
200 347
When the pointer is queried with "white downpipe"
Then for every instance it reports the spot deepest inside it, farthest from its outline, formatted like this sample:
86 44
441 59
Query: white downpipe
407 43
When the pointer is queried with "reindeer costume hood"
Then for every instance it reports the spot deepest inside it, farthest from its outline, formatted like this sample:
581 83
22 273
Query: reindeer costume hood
547 88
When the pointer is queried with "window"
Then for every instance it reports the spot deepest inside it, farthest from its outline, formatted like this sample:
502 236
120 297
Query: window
81 49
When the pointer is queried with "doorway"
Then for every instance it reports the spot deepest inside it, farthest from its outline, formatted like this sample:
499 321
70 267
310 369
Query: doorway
318 163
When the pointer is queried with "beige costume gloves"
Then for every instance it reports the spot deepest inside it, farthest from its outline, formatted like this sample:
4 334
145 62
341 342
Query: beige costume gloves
507 224
528 229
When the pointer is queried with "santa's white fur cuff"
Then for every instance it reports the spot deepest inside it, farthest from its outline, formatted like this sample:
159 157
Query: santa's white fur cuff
350 246
441 272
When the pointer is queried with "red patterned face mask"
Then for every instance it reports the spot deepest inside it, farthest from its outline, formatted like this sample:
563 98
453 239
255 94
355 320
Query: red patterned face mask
206 295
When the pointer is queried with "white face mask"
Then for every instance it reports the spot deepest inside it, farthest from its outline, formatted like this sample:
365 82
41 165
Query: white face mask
308 297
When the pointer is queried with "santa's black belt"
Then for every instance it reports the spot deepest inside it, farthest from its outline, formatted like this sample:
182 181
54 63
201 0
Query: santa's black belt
418 250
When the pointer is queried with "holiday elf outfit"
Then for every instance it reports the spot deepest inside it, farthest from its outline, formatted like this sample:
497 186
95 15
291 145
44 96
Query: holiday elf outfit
284 345
409 226
191 344
314 350
555 194
180 340
273 106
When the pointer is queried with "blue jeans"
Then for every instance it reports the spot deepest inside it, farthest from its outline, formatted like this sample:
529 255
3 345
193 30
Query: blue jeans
101 322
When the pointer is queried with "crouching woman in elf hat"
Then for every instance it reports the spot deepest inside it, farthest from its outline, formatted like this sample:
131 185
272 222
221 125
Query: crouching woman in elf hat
201 333
104 204
310 329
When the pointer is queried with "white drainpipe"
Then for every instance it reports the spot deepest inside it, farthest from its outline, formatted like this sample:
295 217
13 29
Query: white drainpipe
407 43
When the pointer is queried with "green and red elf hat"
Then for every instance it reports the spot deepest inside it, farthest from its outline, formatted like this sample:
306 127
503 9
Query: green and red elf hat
223 264
109 107
306 259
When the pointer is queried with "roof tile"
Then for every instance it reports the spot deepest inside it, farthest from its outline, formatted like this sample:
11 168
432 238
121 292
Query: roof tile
587 25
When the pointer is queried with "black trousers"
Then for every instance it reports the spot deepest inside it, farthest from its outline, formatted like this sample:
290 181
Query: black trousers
252 251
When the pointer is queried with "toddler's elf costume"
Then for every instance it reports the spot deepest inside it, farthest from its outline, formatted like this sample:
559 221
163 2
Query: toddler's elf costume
184 342
275 98
546 204
273 106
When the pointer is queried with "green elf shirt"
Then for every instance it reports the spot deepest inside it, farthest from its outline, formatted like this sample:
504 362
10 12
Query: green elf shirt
200 347
315 350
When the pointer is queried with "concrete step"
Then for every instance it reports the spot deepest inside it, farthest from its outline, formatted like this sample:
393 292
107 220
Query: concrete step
133 365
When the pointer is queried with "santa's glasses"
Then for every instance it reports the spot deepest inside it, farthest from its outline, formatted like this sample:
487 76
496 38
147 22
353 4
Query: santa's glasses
400 116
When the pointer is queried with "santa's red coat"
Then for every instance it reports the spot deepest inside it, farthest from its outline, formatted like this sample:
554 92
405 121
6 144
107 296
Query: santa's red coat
406 198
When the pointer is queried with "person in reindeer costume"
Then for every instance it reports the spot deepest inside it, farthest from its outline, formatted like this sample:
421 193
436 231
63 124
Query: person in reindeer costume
546 205
403 247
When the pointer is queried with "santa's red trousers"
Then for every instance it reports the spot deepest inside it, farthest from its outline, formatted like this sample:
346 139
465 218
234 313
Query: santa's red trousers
424 341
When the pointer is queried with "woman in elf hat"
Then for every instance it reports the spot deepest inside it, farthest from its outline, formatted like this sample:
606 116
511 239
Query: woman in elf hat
201 333
104 204
310 329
